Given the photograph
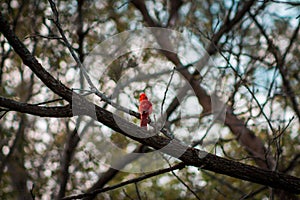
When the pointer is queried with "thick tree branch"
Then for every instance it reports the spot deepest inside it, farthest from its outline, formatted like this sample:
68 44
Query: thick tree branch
42 111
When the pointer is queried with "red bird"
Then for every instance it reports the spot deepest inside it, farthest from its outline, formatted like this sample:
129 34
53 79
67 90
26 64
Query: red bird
145 109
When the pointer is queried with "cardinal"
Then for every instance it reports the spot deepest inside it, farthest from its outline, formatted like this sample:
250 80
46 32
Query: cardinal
145 109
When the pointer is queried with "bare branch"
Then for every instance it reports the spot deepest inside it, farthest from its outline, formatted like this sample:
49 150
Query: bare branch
181 181
165 95
135 180
43 111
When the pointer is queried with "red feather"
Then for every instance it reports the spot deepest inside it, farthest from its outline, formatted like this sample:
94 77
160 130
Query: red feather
145 109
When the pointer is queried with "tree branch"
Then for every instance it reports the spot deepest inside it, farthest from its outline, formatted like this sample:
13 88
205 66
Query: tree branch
135 180
42 111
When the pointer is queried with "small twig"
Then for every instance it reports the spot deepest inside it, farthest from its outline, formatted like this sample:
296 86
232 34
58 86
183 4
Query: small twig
237 159
4 113
137 191
43 36
122 5
284 129
220 192
292 164
127 195
165 95
180 180
286 2
252 194
167 88
32 193
46 102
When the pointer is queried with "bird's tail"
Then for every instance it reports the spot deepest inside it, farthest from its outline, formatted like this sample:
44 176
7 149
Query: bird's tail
144 120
